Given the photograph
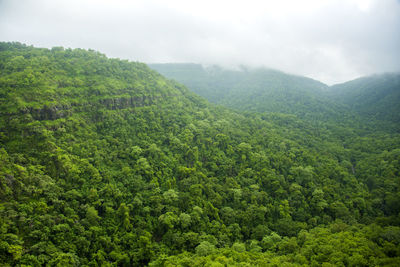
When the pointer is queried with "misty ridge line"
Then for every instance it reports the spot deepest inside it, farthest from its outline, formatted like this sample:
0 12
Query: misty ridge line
213 67
261 89
242 68
330 41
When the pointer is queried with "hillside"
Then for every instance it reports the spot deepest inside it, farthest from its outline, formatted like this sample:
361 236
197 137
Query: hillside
213 83
104 162
376 97
366 102
260 90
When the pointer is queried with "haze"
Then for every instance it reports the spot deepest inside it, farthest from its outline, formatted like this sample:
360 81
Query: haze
331 41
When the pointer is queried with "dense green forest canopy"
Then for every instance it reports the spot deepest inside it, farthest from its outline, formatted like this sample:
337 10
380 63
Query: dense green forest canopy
375 98
262 90
104 162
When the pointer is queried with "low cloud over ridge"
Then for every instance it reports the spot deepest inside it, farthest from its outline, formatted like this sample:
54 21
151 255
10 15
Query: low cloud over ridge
331 41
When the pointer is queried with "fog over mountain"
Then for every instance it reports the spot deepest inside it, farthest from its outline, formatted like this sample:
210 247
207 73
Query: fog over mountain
331 41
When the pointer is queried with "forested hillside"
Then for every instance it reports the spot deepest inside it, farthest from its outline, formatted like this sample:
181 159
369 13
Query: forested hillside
104 162
375 99
260 90
376 96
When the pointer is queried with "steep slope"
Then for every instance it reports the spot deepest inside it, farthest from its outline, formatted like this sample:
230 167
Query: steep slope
213 83
376 97
369 102
261 90
104 162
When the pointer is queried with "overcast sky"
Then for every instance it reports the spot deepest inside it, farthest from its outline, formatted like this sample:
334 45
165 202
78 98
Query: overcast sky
328 40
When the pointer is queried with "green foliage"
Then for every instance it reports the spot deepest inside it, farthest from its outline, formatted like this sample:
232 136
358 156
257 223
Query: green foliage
260 90
376 96
104 162
205 248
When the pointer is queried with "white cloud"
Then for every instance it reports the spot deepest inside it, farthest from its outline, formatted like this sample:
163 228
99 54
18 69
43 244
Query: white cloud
330 40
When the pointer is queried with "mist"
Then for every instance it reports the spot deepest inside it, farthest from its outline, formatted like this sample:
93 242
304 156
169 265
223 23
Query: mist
331 41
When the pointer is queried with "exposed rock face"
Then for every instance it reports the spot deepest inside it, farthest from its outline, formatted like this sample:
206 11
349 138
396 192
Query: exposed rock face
50 113
128 102
63 111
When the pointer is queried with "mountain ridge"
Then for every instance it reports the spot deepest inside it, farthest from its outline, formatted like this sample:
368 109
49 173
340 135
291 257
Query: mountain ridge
376 96
244 68
266 90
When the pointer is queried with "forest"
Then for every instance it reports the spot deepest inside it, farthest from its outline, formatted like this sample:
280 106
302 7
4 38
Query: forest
105 162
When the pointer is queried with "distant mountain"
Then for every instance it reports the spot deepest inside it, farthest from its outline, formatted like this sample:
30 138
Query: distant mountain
376 96
213 83
261 89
